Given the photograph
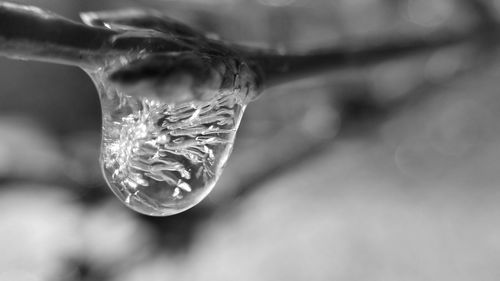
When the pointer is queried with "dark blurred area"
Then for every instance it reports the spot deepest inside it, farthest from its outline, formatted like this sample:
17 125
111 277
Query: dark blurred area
388 172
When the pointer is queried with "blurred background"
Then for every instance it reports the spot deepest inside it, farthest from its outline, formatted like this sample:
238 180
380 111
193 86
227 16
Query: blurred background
387 172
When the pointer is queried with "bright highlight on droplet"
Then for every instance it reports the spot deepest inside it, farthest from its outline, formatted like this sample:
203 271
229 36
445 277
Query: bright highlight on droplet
161 158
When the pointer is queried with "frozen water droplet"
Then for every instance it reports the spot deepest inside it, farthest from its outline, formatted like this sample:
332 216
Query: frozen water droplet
164 149
171 106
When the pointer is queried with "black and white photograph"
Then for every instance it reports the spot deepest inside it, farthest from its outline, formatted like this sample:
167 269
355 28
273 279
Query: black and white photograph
249 140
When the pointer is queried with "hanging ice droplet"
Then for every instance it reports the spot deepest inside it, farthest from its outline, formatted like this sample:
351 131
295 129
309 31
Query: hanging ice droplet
171 106
163 148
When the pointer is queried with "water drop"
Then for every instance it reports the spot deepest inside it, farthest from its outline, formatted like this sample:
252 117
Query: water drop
162 153
171 107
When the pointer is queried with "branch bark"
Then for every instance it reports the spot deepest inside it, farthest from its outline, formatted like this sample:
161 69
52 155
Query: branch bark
27 32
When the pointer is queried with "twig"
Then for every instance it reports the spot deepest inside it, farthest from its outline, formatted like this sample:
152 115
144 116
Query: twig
28 32
31 33
277 68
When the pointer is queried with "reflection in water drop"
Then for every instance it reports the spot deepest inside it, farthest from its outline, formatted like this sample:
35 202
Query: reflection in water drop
161 158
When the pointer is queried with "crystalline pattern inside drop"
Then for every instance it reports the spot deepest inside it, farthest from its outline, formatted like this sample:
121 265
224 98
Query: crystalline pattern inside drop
158 156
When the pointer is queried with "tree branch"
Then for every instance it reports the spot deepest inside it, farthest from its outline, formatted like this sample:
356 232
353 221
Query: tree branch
31 33
28 32
276 68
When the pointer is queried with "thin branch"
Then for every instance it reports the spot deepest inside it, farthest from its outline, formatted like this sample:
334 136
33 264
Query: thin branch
28 32
31 33
276 68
